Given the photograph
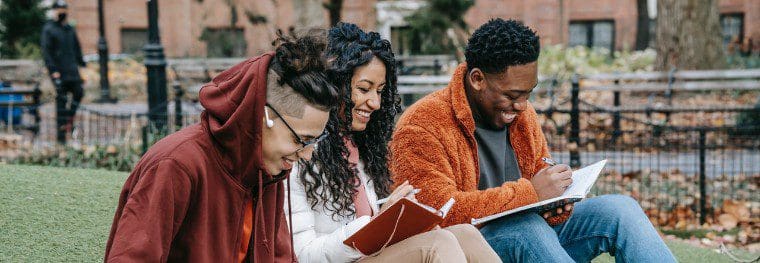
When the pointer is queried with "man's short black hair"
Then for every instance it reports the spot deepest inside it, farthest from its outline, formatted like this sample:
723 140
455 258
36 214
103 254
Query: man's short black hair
498 44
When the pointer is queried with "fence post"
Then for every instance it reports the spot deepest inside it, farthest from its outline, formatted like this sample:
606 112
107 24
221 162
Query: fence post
550 91
35 109
575 158
406 99
616 116
436 67
145 139
669 91
178 93
702 190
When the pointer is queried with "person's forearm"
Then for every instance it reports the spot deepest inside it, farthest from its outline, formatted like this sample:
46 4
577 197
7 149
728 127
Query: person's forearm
329 247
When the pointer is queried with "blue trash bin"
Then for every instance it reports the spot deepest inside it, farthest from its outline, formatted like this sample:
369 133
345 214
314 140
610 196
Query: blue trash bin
15 112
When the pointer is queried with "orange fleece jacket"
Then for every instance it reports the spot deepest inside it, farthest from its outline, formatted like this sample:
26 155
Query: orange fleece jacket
434 148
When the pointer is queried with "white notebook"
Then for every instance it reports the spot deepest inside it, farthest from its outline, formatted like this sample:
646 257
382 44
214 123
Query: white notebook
583 180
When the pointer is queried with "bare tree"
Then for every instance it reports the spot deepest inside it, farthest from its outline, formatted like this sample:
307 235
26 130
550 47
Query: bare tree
333 8
688 35
439 27
642 27
309 13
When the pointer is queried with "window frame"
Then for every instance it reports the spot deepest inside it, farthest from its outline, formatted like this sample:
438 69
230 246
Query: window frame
589 24
741 17
133 30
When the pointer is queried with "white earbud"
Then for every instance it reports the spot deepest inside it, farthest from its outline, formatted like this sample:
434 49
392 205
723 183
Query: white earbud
270 123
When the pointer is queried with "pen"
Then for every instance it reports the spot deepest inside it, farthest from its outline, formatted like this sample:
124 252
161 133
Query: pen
413 192
549 161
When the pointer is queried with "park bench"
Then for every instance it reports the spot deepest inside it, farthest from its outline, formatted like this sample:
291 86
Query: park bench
663 85
191 74
19 94
668 83
423 64
413 87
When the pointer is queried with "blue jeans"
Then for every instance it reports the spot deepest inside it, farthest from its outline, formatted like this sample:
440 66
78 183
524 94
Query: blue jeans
611 223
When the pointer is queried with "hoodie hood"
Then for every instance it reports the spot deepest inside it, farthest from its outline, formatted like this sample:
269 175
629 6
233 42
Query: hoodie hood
234 102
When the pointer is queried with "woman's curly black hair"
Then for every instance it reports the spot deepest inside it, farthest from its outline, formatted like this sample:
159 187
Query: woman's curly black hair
328 178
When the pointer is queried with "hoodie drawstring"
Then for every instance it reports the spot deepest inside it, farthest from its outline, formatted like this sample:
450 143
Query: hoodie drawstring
259 213
290 223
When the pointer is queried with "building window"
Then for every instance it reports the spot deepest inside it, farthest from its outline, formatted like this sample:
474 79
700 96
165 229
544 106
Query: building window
133 40
733 27
224 42
599 34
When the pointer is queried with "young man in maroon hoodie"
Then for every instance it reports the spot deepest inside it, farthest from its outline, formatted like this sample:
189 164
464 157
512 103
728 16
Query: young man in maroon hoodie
213 192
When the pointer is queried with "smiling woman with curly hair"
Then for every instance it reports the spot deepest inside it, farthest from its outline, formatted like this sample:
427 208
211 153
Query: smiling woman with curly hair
335 193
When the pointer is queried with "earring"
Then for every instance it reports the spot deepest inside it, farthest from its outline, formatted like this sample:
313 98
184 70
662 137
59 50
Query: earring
270 123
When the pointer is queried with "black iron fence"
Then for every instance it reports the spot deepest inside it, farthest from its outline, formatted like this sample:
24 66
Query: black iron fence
683 161
113 124
680 159
682 143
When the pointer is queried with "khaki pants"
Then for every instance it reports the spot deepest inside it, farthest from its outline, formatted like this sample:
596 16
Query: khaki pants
459 243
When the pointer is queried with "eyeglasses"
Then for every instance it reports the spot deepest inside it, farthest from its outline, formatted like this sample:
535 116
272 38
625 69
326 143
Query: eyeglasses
304 144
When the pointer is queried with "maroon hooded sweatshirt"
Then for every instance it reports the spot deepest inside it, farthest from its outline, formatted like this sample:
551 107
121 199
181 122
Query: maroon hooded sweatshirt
185 200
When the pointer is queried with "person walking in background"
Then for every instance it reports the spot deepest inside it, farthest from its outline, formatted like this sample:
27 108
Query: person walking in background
63 57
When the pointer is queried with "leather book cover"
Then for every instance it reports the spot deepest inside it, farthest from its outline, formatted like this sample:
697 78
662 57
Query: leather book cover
400 221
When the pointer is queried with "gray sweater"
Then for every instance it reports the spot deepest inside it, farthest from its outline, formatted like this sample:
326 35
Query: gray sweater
496 157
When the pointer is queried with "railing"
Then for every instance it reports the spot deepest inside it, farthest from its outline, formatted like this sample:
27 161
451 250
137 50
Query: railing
667 154
670 156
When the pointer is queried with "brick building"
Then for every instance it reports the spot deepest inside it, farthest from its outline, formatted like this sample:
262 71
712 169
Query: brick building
186 25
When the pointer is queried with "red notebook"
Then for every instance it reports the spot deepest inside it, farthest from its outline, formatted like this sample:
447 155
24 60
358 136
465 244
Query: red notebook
402 220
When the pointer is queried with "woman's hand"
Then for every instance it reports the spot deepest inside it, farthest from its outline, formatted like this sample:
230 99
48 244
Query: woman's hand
557 212
401 191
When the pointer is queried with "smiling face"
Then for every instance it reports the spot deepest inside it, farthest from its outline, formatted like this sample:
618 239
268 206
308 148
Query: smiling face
367 85
280 146
496 100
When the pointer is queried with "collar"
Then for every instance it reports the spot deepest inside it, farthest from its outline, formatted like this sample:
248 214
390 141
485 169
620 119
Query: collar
459 101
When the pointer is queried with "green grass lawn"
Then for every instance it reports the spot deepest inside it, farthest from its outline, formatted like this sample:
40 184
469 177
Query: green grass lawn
56 214
64 215
688 253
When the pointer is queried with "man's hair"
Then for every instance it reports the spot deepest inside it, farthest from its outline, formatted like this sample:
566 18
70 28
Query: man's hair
300 64
498 44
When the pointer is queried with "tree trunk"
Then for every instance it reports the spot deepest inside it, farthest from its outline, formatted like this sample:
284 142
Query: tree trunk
333 8
688 35
458 37
642 27
309 13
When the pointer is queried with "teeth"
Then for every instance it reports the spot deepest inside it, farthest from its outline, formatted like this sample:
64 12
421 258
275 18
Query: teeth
508 116
363 113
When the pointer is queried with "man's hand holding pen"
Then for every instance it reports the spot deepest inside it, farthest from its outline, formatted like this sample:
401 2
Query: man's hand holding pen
551 182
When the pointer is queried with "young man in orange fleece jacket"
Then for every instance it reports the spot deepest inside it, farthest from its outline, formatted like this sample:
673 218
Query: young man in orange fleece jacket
479 141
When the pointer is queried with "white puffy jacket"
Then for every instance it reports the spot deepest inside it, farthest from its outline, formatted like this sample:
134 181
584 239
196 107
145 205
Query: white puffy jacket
317 236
